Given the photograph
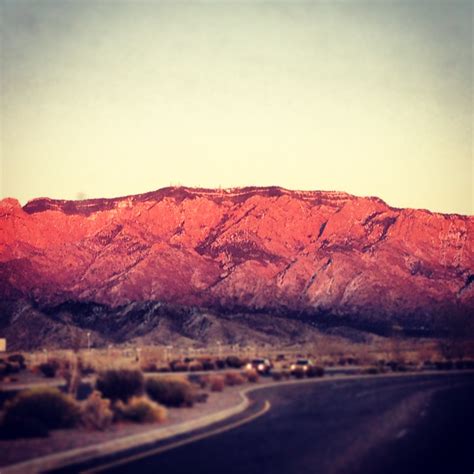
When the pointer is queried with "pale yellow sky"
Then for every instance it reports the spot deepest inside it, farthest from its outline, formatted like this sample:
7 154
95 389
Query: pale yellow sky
109 98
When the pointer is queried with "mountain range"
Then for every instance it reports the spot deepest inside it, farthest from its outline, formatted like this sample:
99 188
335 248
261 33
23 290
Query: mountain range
180 262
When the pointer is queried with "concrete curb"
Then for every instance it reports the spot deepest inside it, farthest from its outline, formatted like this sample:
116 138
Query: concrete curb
79 455
87 453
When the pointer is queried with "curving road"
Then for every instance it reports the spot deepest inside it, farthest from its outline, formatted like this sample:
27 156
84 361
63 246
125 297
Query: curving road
410 424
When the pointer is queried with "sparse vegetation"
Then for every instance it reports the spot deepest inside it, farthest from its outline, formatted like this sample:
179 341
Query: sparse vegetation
171 392
199 380
120 384
277 376
86 367
140 410
178 366
252 376
201 397
299 372
216 383
195 366
372 370
149 366
49 369
208 365
234 362
9 368
234 378
96 412
18 359
34 412
315 371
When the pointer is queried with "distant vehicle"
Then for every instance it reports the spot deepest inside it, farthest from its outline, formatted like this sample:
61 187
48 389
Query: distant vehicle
262 366
301 364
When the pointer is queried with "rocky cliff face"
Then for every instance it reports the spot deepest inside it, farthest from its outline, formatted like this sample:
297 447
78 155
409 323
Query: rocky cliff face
311 254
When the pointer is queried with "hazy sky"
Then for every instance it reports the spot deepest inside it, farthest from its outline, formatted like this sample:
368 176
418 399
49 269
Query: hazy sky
108 98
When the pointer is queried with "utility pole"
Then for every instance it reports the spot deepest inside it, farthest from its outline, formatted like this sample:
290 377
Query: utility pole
168 352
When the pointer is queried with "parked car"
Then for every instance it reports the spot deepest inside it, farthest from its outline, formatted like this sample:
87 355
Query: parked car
301 364
262 366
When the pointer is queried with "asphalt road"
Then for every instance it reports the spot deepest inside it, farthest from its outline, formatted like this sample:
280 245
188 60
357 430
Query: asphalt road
413 424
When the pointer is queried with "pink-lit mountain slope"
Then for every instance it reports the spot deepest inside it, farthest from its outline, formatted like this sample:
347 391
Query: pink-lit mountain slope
315 255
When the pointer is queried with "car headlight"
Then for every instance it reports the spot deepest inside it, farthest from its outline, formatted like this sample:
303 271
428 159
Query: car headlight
293 367
305 368
261 367
249 366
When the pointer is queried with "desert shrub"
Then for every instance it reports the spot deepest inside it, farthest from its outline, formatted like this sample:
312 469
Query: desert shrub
96 413
372 371
170 391
286 374
201 397
49 369
178 366
277 376
220 364
120 384
84 390
140 410
18 359
252 376
199 380
3 369
299 372
34 412
149 366
195 366
234 362
315 371
86 368
216 383
9 368
397 366
208 365
393 365
233 378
